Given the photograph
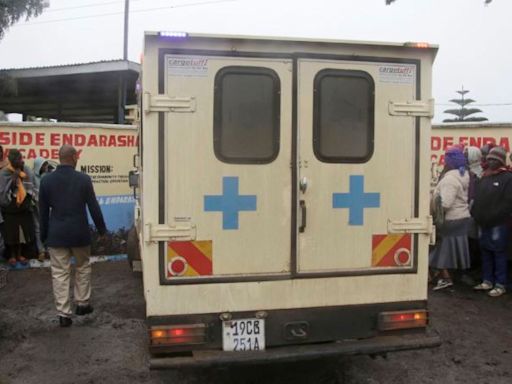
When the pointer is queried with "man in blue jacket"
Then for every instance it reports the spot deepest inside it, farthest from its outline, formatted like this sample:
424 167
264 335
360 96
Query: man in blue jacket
63 198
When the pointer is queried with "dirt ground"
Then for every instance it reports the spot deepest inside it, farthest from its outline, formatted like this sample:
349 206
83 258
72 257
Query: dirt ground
109 346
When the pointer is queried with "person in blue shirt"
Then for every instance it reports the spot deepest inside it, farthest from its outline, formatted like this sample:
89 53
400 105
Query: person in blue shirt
64 197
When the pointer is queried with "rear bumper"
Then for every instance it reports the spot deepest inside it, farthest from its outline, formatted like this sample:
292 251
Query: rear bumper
375 345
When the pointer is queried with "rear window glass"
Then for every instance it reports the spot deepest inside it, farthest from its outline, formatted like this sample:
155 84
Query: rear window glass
343 116
246 115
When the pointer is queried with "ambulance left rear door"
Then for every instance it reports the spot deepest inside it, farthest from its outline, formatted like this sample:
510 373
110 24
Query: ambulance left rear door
227 151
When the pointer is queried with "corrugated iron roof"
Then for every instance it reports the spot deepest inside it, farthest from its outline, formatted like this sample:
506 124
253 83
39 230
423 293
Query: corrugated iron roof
84 92
71 65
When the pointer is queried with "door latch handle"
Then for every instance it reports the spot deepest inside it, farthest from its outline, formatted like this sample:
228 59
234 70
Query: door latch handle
303 184
303 209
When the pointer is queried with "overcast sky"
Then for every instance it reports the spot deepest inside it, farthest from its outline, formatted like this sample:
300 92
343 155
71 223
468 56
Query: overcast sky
475 40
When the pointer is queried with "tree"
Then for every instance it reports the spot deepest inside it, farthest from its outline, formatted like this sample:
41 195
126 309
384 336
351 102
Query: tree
12 11
462 113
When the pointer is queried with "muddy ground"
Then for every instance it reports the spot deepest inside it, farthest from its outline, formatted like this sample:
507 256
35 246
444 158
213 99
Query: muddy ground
109 346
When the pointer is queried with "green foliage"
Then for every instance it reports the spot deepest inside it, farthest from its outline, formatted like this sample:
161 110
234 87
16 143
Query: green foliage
462 113
12 11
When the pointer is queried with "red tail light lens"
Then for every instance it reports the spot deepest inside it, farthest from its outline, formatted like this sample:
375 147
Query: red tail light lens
178 334
403 320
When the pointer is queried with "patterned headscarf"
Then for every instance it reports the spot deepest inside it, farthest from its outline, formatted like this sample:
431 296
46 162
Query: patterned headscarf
454 159
474 159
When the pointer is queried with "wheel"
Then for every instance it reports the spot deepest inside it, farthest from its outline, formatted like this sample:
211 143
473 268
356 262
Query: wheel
132 243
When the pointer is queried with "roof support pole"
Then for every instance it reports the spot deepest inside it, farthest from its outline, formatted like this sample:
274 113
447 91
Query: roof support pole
126 18
121 99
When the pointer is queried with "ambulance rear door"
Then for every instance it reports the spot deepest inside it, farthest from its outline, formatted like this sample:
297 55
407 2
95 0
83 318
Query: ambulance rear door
358 166
227 167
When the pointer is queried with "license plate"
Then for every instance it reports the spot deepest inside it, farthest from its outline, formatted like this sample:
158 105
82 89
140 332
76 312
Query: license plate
243 335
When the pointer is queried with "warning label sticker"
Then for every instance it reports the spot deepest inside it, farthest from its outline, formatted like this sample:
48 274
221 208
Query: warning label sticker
397 73
187 66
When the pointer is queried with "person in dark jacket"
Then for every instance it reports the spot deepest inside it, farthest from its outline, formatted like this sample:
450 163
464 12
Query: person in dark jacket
491 210
63 197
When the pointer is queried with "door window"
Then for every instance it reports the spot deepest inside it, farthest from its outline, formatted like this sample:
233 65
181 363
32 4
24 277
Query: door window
246 115
343 116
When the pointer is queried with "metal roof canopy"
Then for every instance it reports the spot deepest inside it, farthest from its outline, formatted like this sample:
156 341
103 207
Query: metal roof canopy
93 92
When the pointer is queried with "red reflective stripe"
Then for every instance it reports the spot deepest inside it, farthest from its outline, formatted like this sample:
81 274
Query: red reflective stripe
194 257
388 259
377 239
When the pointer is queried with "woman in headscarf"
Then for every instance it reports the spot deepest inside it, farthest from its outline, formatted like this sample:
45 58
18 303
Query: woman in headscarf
474 156
485 151
451 250
16 206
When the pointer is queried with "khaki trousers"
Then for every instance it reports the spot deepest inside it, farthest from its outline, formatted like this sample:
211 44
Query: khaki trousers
60 259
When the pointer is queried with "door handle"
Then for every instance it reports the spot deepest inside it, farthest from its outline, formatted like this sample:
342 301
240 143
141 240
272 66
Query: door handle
303 184
303 209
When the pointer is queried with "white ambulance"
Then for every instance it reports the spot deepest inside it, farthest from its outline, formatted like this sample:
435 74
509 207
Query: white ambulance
283 201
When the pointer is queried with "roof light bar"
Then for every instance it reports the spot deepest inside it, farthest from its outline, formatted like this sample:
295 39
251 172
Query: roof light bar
173 34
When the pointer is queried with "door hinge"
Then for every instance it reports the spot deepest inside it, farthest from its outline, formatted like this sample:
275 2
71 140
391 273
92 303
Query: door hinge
164 232
164 103
414 225
416 108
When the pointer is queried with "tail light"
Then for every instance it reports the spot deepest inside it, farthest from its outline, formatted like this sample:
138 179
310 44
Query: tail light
178 334
417 45
403 320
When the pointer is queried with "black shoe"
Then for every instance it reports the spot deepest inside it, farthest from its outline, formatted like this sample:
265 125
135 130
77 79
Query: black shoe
82 310
65 321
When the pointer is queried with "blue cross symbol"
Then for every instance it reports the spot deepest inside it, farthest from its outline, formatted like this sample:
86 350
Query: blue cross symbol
229 203
356 200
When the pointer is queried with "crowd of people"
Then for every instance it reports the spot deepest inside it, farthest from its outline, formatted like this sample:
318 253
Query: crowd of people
474 217
19 212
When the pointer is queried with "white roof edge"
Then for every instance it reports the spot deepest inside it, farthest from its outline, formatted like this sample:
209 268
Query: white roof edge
45 124
472 125
298 39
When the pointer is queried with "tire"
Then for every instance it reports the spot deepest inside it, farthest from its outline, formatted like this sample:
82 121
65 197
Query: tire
132 243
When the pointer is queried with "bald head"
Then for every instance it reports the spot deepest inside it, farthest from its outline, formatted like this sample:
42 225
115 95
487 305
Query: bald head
68 155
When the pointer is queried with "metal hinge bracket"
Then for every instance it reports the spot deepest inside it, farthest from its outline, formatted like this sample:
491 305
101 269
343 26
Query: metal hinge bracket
416 108
164 103
414 225
164 232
